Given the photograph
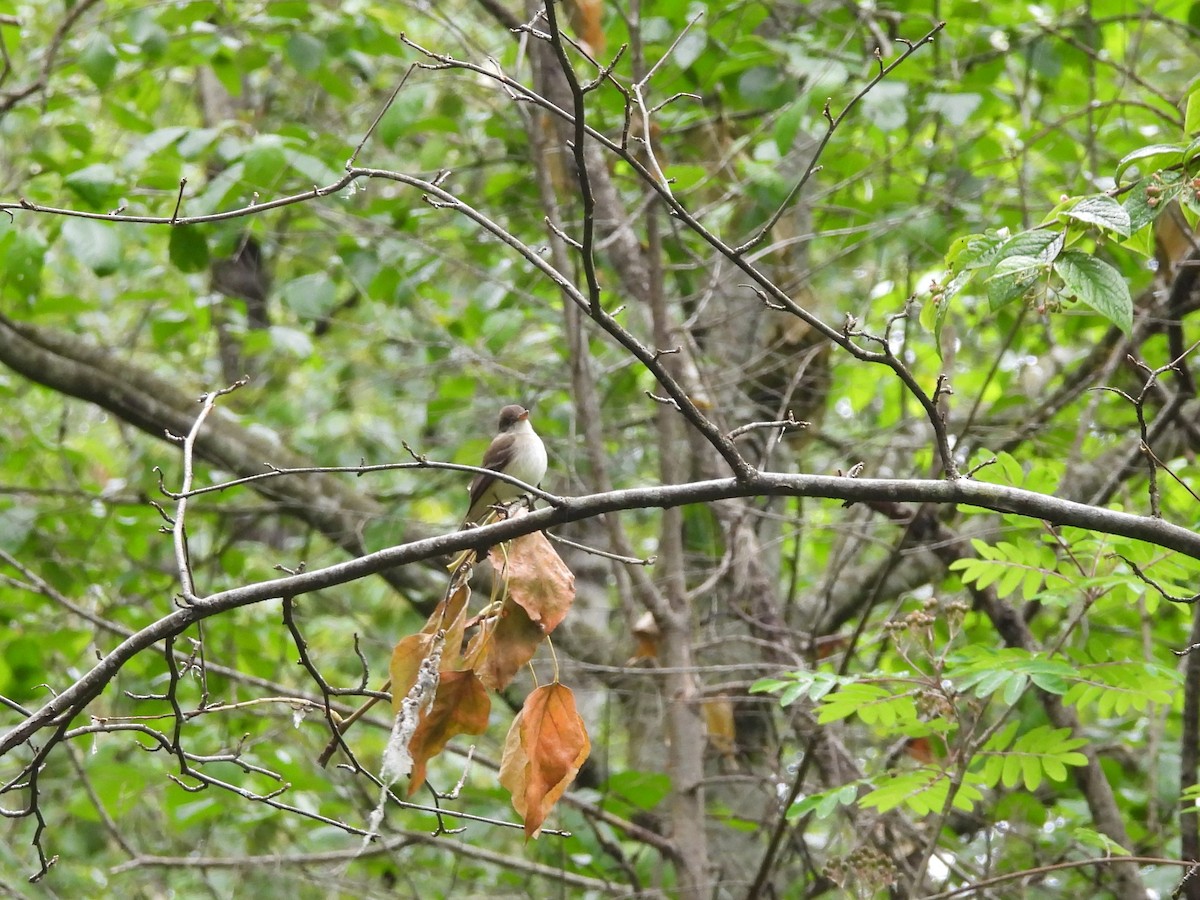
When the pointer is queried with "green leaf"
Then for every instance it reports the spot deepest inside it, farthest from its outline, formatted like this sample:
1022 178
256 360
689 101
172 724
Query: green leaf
98 59
297 10
1097 284
1141 241
150 36
227 72
312 168
1043 752
1191 112
1020 262
24 255
787 126
217 193
1090 838
1044 244
304 52
825 803
923 791
291 341
95 244
1192 151
886 106
309 296
852 699
1101 210
1190 201
188 248
684 178
1118 686
768 686
1013 689
690 47
938 306
641 790
265 161
1172 153
1010 581
1012 277
973 251
1013 471
1031 773
16 524
95 184
822 683
987 670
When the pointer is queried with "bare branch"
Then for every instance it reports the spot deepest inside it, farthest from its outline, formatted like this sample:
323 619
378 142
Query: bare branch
833 124
999 498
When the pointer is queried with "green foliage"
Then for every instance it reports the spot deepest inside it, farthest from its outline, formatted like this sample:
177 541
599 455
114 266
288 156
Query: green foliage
909 706
923 791
1115 688
1011 567
1024 265
1009 758
1007 671
1014 176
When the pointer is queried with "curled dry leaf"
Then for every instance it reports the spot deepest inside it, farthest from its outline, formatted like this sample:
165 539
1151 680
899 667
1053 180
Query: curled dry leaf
536 578
503 645
411 651
545 747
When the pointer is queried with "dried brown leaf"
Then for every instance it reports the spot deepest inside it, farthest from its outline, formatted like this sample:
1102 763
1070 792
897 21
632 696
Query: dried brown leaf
460 706
536 578
543 752
405 664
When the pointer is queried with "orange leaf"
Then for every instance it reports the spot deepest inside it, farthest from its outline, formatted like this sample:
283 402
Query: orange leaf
831 644
919 749
503 646
407 657
513 765
448 611
451 615
584 16
537 578
460 706
552 745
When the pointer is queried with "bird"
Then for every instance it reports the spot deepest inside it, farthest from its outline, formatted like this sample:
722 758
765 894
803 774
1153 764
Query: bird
517 451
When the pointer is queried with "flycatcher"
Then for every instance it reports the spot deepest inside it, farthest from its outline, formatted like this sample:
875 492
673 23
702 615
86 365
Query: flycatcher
515 451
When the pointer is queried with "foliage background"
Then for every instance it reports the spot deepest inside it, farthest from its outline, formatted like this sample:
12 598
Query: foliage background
390 320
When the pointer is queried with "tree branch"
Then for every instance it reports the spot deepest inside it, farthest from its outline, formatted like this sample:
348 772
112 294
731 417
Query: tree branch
767 484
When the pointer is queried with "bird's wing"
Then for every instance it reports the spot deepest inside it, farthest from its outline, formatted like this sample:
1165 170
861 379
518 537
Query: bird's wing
496 457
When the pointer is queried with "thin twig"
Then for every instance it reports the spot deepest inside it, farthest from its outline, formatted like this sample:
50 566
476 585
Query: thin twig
831 127
183 563
596 551
378 118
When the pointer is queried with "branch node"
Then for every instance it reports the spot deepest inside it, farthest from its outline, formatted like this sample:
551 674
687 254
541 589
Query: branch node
417 457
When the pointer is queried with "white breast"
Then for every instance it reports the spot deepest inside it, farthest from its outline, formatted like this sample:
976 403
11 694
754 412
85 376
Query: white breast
528 462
